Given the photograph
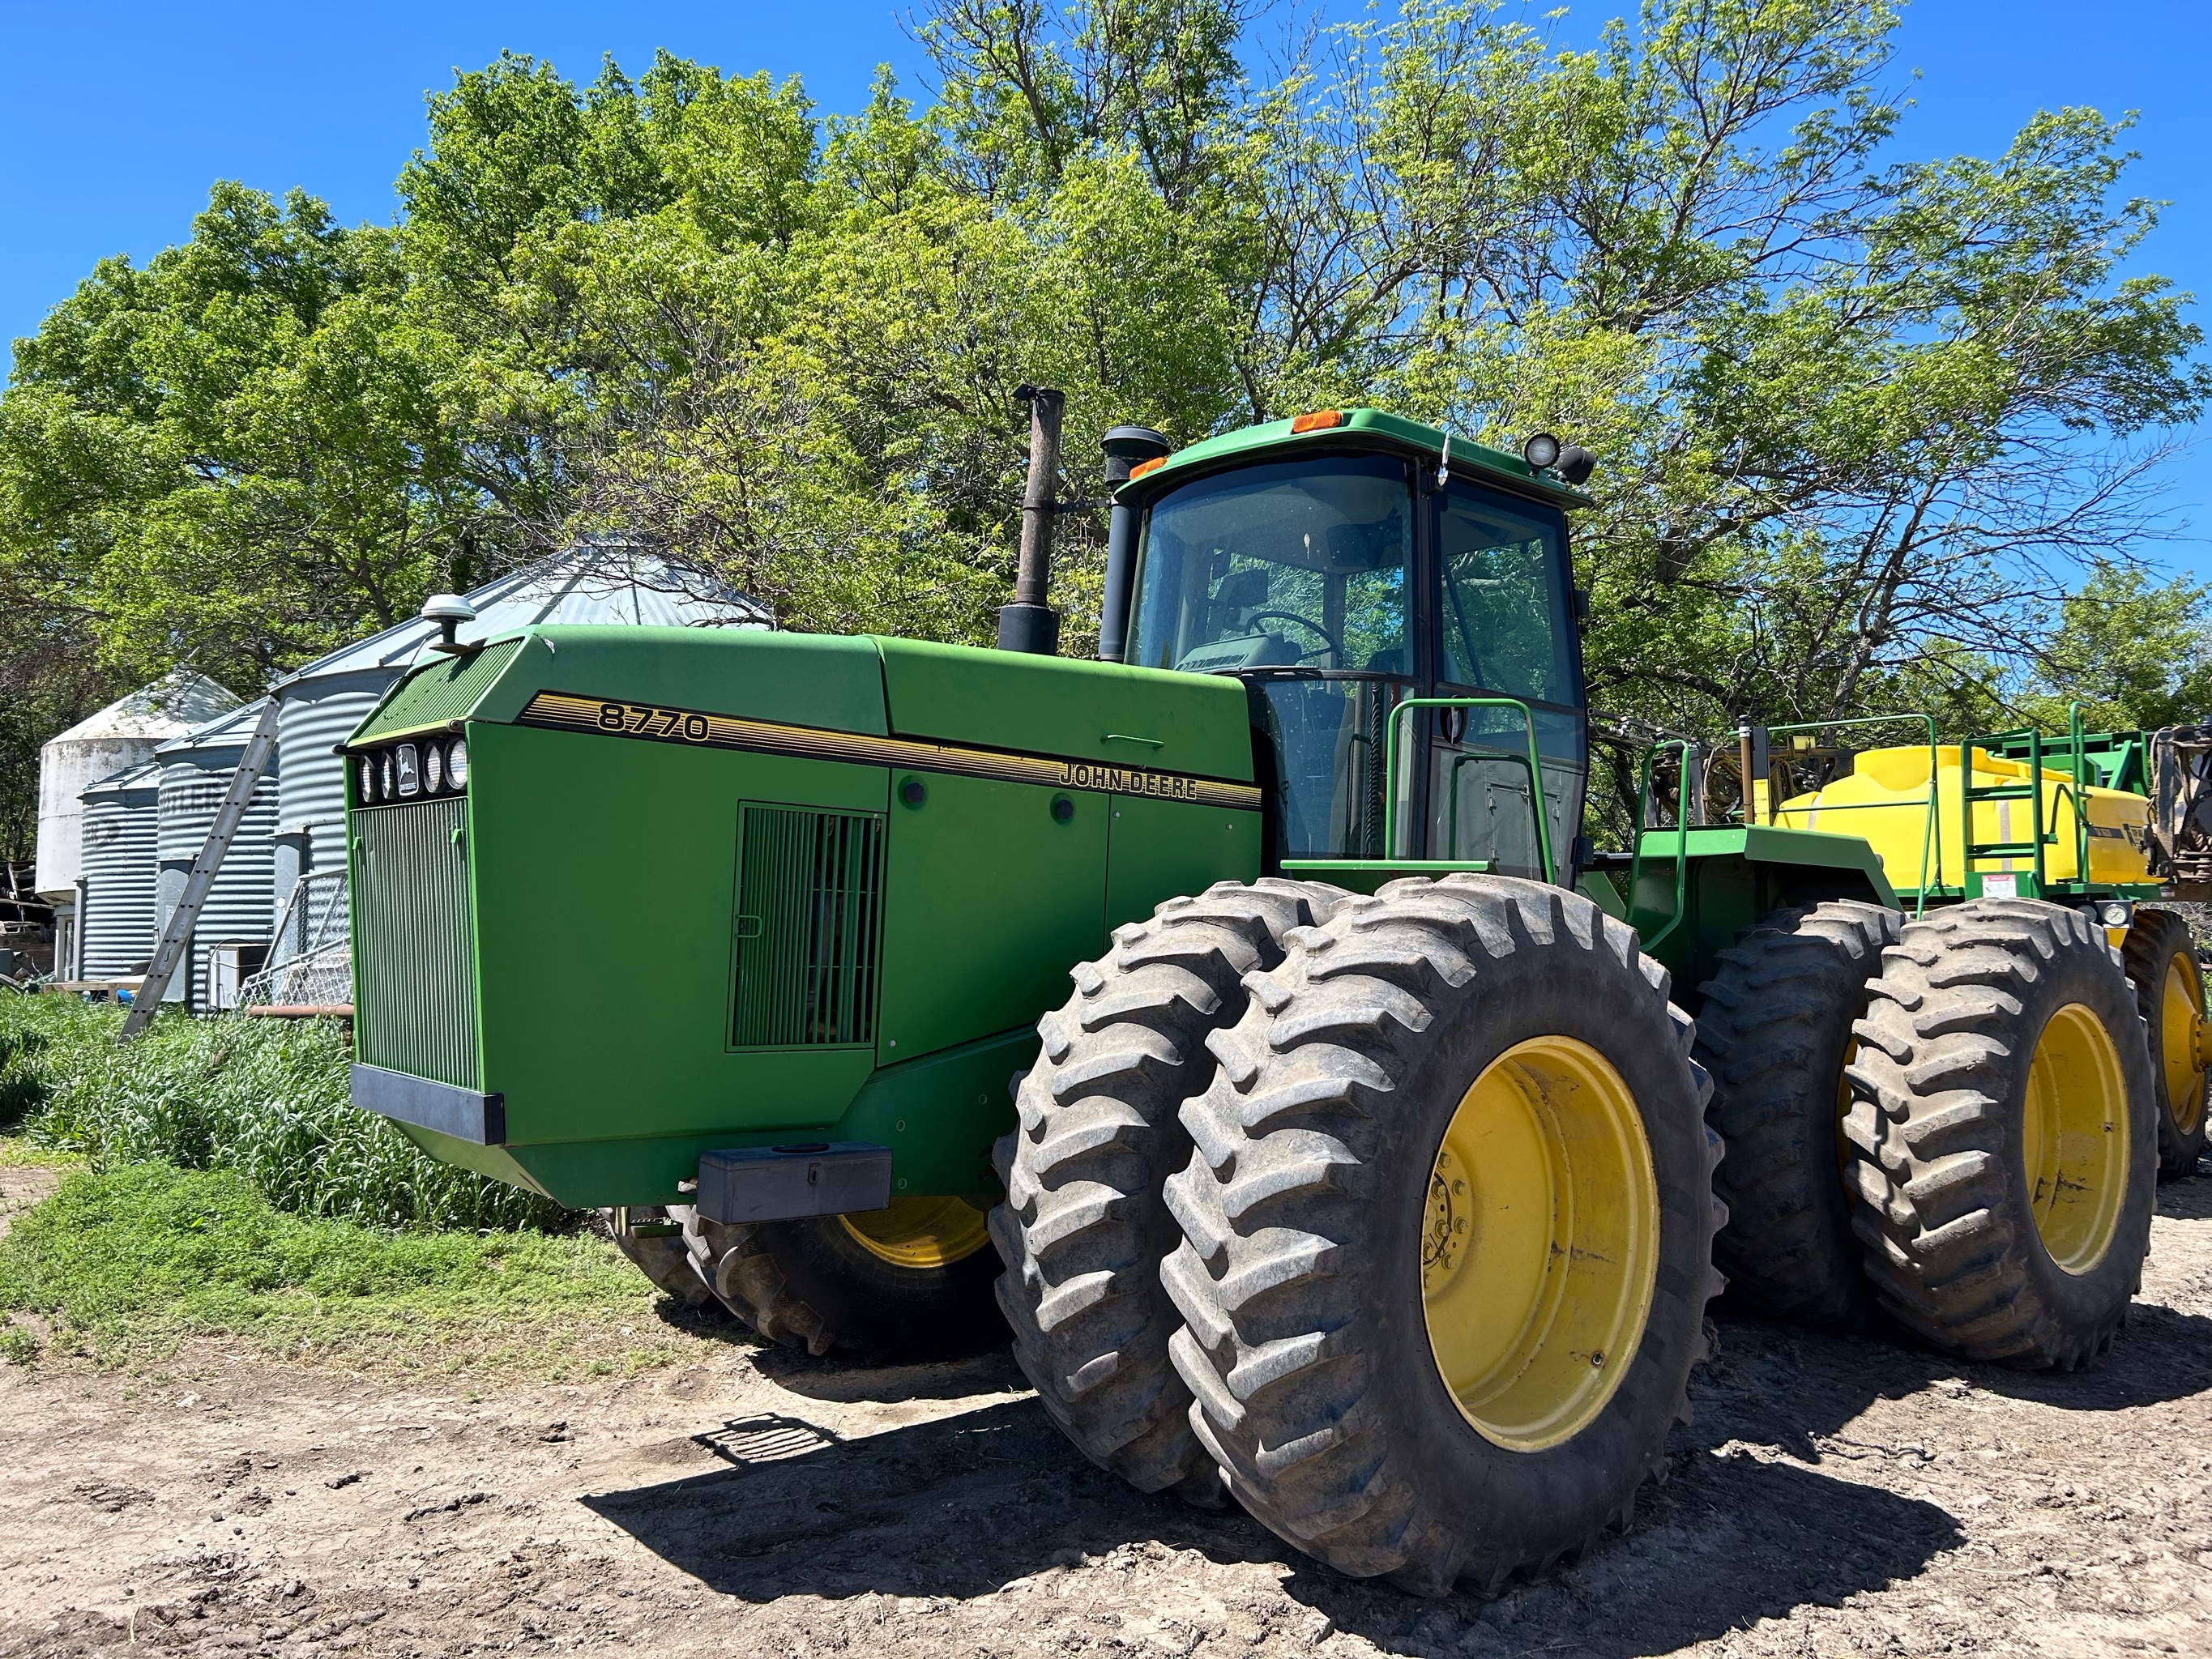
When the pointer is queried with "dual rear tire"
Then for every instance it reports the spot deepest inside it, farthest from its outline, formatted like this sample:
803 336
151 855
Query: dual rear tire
1954 1120
2004 1133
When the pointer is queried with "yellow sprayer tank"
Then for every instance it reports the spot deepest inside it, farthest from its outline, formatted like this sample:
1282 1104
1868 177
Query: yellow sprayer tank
1884 799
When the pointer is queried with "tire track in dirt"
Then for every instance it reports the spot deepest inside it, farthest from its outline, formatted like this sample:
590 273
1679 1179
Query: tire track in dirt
1832 1497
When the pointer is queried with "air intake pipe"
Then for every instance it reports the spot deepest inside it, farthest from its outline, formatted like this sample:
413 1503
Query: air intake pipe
1125 446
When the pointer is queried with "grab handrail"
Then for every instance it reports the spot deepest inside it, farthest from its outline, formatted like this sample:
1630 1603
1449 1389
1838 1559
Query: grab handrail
1533 761
1681 835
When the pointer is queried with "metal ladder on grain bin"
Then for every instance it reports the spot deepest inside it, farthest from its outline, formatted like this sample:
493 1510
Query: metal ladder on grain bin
178 933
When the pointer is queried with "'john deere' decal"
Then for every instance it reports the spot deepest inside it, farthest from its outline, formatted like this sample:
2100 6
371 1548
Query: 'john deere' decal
566 711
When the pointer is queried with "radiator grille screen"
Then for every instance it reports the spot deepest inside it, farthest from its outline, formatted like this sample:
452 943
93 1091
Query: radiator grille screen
414 966
446 690
809 898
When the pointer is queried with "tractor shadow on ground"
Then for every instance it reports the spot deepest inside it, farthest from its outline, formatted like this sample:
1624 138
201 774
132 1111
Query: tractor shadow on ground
960 1506
960 1371
1773 1385
2187 1200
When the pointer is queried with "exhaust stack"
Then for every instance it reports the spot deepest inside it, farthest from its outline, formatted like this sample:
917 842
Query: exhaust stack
1028 624
1125 446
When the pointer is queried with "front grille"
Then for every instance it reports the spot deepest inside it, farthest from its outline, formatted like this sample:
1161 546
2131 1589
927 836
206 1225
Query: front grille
414 962
809 892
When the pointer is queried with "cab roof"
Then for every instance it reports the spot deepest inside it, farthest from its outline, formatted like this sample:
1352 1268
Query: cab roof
1365 428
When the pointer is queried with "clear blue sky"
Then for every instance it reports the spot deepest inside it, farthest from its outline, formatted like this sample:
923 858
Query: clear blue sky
121 115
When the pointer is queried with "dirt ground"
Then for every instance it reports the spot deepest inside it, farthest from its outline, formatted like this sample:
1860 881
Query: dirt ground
1833 1498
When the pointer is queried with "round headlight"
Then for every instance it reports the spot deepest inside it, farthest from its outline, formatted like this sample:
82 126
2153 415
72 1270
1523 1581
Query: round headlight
367 780
410 770
385 788
457 764
1541 451
434 768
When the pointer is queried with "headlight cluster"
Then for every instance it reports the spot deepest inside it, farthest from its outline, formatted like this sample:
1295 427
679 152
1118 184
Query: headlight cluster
410 771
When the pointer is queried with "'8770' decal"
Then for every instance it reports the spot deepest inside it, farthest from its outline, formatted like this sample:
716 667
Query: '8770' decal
565 711
643 720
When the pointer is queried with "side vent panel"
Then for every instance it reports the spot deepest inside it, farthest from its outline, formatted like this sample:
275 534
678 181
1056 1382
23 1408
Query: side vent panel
808 928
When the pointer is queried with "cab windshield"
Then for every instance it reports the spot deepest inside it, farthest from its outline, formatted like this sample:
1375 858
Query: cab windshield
1299 578
1301 564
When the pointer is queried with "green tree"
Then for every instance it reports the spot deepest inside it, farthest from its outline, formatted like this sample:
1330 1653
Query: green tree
1862 428
233 456
2133 652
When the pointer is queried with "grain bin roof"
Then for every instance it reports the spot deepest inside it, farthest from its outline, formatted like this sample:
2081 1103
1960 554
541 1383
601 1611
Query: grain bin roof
147 775
170 707
231 730
591 582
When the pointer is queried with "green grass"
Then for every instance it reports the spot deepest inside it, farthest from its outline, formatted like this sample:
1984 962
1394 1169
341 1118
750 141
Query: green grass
266 1098
216 1184
126 1263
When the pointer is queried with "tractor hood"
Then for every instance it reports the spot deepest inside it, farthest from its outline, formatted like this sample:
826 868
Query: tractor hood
649 682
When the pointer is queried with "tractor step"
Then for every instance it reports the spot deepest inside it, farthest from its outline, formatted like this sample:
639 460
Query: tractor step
795 1180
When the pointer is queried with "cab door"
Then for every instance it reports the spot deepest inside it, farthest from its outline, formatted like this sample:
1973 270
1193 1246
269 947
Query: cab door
1504 626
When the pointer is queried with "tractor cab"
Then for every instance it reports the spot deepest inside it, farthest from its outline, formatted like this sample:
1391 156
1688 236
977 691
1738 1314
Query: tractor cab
1400 606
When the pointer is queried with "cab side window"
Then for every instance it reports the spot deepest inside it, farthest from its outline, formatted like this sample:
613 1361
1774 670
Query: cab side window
1504 623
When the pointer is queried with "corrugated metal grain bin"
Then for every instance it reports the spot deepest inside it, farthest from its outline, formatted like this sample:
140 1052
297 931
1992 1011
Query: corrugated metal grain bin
115 927
196 772
124 734
319 706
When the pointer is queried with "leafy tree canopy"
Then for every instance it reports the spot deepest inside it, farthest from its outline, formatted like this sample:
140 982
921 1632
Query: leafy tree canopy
1868 431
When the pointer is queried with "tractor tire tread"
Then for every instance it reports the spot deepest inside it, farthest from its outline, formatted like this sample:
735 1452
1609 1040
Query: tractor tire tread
1083 1227
1775 1011
2151 943
1268 1277
1932 1088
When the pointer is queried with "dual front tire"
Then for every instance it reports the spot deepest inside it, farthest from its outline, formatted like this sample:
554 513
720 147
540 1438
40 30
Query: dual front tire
910 1280
1440 1200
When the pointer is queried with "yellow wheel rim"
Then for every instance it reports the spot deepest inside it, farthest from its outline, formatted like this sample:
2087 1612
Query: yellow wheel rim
920 1232
2073 1138
2181 1023
1541 1242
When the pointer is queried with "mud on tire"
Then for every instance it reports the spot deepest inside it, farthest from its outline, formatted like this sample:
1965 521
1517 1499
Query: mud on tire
1084 1228
1305 1211
1943 1124
1774 1027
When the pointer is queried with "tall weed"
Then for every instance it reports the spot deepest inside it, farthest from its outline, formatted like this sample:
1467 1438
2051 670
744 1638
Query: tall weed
267 1099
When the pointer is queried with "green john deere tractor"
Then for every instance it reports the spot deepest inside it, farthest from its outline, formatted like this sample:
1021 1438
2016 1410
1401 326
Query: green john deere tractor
1372 1171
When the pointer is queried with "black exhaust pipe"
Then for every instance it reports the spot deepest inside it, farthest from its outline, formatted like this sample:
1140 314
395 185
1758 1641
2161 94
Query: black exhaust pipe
1125 446
1029 623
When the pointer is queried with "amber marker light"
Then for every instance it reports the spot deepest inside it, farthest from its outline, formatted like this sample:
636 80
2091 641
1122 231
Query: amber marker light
1316 420
1143 467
